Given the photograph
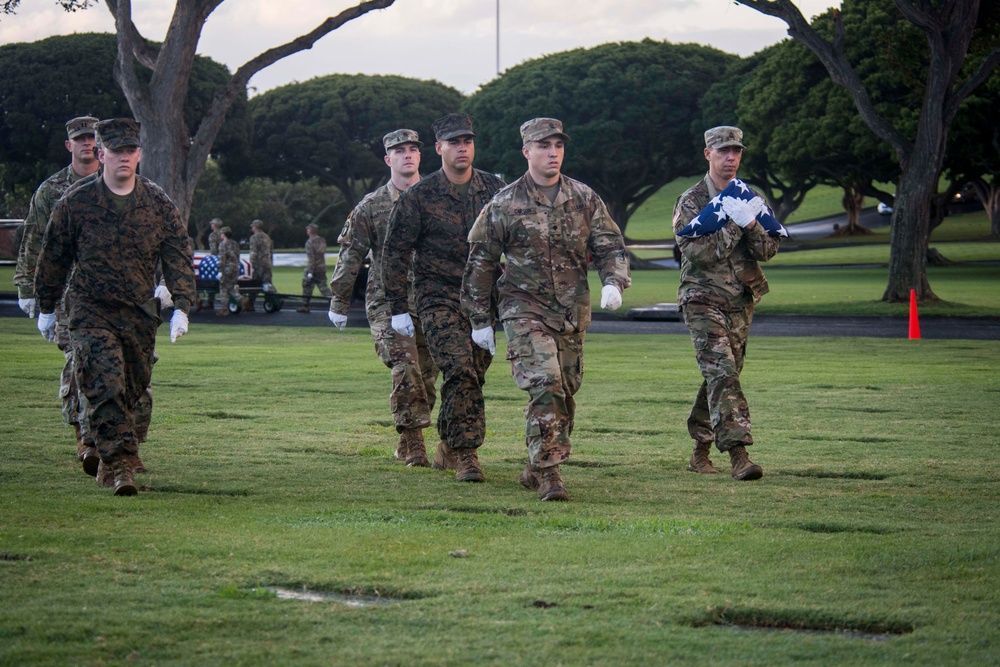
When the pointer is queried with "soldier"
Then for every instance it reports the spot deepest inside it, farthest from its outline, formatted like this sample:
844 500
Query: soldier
229 271
82 147
720 283
413 370
544 306
315 273
106 235
430 222
214 238
261 249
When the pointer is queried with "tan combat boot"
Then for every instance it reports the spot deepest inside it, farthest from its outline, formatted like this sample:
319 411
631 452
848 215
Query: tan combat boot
222 313
444 457
550 484
135 462
117 475
467 466
700 463
416 453
743 468
529 477
86 454
401 447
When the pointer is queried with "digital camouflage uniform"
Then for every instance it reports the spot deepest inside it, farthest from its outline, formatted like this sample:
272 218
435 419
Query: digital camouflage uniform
544 295
229 272
720 283
413 371
110 259
431 223
315 273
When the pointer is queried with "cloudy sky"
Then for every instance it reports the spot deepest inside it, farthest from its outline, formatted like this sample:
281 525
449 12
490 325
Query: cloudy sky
452 41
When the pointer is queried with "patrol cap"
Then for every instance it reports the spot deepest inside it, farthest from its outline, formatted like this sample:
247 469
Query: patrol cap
453 125
537 129
118 133
313 226
724 135
217 222
226 230
80 126
257 224
402 136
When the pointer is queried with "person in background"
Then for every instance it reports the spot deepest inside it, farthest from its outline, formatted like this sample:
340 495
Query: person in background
315 272
261 258
229 271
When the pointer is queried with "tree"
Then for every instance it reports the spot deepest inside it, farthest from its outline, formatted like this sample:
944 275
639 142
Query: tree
174 153
52 80
330 128
947 79
627 106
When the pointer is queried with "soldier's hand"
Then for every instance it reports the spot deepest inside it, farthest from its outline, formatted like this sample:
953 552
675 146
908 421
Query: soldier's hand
485 339
338 320
611 297
178 325
743 213
163 294
27 305
47 326
403 324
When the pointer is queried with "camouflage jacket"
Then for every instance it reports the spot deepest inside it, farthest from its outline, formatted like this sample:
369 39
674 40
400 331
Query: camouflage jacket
316 255
548 247
42 203
214 238
431 222
229 258
720 269
363 233
261 248
113 255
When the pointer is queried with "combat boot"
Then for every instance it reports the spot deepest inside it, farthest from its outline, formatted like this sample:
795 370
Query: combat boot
304 308
743 468
416 452
86 453
444 458
529 477
700 463
117 475
247 304
550 484
467 466
224 312
401 447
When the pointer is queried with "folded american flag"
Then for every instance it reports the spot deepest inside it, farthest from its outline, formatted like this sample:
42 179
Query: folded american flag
712 218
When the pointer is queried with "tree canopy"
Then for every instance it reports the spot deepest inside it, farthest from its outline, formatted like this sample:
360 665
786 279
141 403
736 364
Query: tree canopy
626 106
330 128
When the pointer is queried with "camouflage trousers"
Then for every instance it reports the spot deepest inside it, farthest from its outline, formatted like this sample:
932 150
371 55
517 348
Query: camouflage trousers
69 396
228 288
720 411
317 280
413 371
549 366
461 415
112 369
262 272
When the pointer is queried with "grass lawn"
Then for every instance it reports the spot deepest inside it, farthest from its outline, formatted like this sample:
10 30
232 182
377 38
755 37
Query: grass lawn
872 538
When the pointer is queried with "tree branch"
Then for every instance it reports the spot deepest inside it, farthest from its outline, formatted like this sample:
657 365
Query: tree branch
142 50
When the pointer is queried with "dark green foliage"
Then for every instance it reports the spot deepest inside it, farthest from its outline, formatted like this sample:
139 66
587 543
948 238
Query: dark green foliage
627 107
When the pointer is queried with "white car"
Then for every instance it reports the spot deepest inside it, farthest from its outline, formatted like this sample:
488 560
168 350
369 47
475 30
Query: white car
884 209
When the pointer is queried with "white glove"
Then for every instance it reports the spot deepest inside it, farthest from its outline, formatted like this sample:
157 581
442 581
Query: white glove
47 325
309 276
743 213
178 325
163 294
485 339
27 305
611 297
338 320
403 324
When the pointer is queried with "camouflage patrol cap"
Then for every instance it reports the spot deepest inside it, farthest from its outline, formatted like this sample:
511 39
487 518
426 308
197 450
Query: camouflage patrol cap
402 136
453 125
537 129
226 230
257 224
80 126
118 133
724 135
313 226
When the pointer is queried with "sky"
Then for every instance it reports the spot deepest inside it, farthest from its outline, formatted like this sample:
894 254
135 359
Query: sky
451 41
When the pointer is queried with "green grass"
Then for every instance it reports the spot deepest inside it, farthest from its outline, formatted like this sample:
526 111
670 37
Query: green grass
270 467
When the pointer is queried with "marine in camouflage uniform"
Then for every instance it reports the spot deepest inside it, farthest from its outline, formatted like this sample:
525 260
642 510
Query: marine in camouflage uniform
315 273
229 271
545 224
82 146
261 256
413 371
430 222
102 248
721 281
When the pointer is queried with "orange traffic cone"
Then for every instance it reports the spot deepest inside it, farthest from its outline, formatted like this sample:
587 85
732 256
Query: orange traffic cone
914 317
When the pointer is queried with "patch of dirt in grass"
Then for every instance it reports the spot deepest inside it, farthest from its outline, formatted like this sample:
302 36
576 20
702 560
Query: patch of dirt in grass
804 620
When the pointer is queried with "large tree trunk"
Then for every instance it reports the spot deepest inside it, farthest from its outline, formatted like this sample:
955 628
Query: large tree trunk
853 202
909 233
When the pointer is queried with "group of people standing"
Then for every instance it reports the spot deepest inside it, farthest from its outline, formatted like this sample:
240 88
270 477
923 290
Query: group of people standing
451 254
